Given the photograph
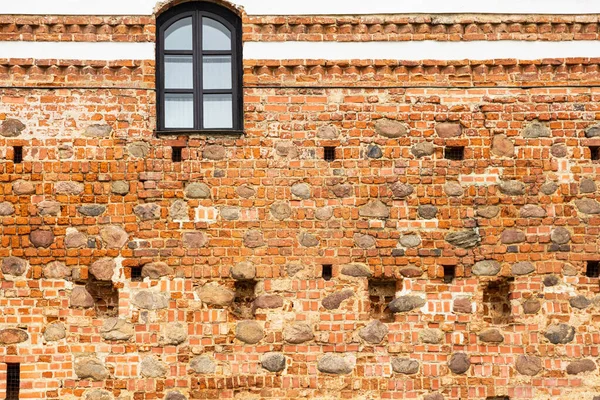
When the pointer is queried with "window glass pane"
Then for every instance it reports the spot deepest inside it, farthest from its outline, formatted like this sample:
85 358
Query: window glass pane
215 36
179 110
218 111
178 36
178 72
217 72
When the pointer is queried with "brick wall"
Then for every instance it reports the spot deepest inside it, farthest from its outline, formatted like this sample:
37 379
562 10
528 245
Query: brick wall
234 242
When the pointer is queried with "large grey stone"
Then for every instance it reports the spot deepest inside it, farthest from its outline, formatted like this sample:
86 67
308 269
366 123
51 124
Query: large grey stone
98 394
427 211
587 185
253 239
411 271
512 236
69 187
459 363
433 396
364 241
6 209
297 333
41 238
119 187
324 213
486 268
502 146
215 295
301 190
405 366
588 206
328 132
487 212
103 269
592 131
406 303
273 362
156 270
203 365
535 130
98 131
558 150
550 280
522 268
342 190
374 332
463 305
194 240
148 300
333 301
21 187
75 240
512 188
11 127
13 336
549 188
422 149
14 266
179 211
374 209
453 189
48 207
177 396
308 239
528 365
532 211
175 334
280 210
114 237
560 235
581 302
268 301
230 213
55 331
390 128
464 239
559 333
356 270
531 306
410 241
335 364
448 129
151 367
91 210
197 191
431 336
491 336
90 367
138 149
401 190
147 212
117 329
80 297
214 152
581 366
250 332
245 191
243 271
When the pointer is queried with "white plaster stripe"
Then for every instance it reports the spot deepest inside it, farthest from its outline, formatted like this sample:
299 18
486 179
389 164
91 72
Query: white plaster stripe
409 51
312 7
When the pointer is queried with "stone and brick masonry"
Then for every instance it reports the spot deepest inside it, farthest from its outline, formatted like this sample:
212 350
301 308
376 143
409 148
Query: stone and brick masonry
230 301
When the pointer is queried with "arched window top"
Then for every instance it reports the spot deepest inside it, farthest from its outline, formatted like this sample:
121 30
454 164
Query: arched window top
199 66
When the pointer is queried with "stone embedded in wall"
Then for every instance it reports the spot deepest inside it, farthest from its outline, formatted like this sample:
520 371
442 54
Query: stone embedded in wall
156 270
56 270
535 130
197 191
147 212
243 271
98 394
297 333
581 366
459 363
328 132
551 280
512 188
13 336
90 368
335 364
374 332
558 150
119 187
138 149
324 213
245 191
522 268
512 236
587 185
401 190
465 239
486 268
390 128
194 240
98 131
91 210
580 302
431 336
148 300
560 235
410 241
203 365
268 301
175 333
273 362
301 191
342 190
427 211
11 127
65 151
405 366
69 187
559 333
528 365
364 241
356 270
117 329
502 146
179 211
532 211
308 239
448 129
103 269
214 152
592 131
549 188
433 396
487 212
280 210
114 237
406 303
374 209
48 207
54 332
6 209
250 332
215 295
422 149
151 367
374 151
453 189
175 396
411 271
462 305
22 187
491 336
230 213
41 238
588 206
14 266
286 149
334 301
253 239
531 306
75 239
81 298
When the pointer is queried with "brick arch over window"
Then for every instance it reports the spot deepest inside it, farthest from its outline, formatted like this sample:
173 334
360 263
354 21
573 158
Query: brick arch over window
163 6
199 68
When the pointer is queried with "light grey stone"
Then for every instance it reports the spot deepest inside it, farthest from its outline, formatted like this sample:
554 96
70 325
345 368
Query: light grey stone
203 365
90 367
151 367
406 303
117 329
335 364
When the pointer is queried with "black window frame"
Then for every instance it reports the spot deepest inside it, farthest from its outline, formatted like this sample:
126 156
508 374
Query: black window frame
199 10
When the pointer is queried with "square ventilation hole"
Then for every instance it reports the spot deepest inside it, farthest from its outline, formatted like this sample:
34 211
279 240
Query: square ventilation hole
456 153
176 154
449 273
13 381
136 274
496 301
381 293
18 154
592 268
329 153
595 153
327 272
243 303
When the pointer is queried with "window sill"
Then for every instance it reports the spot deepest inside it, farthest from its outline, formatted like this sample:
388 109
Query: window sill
206 132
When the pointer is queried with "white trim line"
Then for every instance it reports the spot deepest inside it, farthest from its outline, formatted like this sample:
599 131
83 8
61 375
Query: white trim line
409 51
312 7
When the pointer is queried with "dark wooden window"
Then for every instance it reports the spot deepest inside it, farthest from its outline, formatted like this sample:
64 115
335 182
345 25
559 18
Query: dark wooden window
449 273
454 153
199 69
329 153
18 154
13 381
595 153
327 272
136 274
176 155
592 268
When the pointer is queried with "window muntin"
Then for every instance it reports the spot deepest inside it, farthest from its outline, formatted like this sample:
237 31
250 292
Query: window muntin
199 69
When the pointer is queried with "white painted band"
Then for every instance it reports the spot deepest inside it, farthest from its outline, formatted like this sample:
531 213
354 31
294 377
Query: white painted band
409 51
312 7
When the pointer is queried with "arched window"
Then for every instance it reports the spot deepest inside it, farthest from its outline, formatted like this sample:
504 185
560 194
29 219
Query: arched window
199 69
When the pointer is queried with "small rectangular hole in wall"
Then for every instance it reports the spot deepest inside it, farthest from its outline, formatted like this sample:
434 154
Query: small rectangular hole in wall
13 381
327 272
454 153
595 152
18 154
176 154
106 297
381 293
496 301
136 274
449 273
592 269
329 153
243 303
